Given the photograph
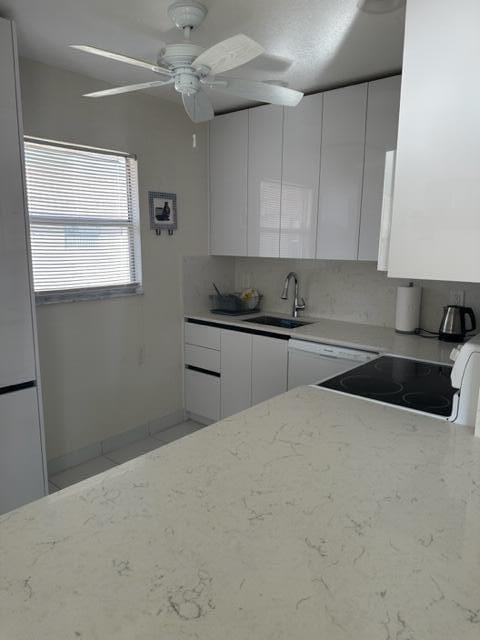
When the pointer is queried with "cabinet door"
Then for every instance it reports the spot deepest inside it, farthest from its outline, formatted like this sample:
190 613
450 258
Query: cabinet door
269 367
236 372
381 136
228 184
341 172
436 222
264 180
21 457
202 394
17 362
302 134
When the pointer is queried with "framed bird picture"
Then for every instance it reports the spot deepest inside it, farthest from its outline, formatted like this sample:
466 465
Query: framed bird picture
163 211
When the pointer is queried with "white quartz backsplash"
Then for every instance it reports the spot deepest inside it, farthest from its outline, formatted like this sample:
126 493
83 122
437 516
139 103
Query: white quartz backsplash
350 291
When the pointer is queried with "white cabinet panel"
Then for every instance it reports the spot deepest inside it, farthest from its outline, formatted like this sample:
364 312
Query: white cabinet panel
228 184
264 180
302 135
341 172
269 367
202 335
381 136
21 457
436 215
236 372
202 394
208 359
17 362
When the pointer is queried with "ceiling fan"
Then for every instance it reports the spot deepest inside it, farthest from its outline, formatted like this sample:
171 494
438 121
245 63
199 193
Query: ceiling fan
190 69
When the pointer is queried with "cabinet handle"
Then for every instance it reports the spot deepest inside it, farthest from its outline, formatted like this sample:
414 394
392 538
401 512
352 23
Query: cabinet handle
205 371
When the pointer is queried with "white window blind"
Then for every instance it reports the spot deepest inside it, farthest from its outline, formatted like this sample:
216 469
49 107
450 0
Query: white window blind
84 226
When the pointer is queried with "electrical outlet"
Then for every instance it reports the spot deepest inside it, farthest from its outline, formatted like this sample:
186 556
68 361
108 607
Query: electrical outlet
457 296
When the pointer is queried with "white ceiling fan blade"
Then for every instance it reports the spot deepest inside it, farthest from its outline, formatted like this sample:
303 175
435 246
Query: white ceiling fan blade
229 54
128 88
199 107
121 58
259 91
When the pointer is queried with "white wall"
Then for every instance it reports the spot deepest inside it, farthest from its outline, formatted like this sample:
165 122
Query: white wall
111 365
350 291
199 272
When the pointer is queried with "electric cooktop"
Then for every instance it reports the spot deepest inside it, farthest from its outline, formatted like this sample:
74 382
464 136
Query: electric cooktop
411 384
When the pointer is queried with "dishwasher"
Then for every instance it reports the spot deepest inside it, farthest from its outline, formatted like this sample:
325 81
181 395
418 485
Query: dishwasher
311 362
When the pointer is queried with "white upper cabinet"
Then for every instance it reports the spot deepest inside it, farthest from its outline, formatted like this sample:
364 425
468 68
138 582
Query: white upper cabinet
381 136
305 181
264 180
302 136
228 184
17 360
436 211
341 172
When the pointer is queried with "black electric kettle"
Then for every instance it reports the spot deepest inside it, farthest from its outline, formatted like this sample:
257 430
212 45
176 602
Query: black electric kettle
453 327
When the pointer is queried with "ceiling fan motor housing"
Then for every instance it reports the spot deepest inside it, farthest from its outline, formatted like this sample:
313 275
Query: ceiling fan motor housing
179 58
187 14
179 55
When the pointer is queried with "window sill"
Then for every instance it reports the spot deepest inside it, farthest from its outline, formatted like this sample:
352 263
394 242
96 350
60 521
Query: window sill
82 295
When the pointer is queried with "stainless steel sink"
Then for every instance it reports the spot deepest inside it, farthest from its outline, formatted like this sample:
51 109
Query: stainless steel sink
284 323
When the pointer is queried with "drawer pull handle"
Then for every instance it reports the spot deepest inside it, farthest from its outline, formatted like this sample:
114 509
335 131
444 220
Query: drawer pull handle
199 370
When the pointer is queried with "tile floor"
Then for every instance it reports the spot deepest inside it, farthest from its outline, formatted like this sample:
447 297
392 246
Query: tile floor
114 458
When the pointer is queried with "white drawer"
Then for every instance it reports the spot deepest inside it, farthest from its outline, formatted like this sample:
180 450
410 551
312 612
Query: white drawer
202 358
202 394
202 335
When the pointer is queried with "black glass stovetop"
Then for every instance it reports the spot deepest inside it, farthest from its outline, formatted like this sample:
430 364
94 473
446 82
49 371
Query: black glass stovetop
420 386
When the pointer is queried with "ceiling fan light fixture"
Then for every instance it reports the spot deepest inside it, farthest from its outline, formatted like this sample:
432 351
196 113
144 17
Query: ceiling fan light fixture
187 83
380 6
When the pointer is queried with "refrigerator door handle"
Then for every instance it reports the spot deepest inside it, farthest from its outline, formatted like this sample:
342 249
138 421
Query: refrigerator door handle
17 387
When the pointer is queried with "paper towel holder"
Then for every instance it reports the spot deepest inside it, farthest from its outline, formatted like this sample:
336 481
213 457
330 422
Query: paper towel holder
407 313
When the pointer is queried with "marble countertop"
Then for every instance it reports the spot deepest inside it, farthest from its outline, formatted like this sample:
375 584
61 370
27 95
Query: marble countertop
350 334
312 515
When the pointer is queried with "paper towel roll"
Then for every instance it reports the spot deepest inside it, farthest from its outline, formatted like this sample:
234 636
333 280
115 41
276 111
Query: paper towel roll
407 316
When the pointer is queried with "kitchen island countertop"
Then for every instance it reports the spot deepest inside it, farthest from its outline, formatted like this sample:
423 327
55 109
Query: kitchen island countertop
312 515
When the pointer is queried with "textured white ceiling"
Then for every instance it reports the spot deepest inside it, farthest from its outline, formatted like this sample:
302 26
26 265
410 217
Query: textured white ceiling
315 44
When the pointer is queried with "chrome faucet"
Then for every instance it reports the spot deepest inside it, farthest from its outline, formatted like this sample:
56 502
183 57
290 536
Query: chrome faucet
298 304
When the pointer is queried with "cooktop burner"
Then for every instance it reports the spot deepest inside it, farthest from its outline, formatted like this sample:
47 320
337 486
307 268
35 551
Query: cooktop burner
421 386
362 385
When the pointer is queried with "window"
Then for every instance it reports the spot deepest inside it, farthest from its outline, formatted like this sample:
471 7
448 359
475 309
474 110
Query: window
84 223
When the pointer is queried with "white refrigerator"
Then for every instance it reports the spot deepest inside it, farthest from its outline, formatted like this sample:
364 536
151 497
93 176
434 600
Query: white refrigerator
22 451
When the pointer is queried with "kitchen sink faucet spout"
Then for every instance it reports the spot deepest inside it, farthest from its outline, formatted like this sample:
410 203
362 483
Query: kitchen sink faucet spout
298 303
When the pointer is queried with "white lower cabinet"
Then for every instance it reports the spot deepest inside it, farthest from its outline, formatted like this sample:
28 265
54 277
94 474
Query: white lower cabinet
243 370
21 456
236 372
253 369
202 394
269 367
